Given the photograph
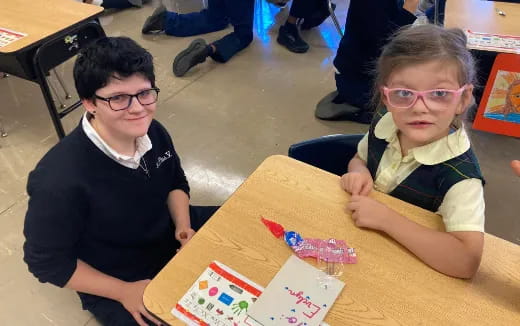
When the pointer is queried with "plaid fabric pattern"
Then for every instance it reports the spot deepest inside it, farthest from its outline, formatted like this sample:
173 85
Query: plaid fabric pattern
428 184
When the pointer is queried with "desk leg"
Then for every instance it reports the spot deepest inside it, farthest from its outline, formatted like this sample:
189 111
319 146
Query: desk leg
63 86
44 86
2 130
334 18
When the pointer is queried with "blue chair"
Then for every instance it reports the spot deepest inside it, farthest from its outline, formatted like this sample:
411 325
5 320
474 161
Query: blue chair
330 153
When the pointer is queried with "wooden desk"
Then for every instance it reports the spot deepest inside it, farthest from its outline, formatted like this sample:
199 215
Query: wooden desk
482 16
41 18
56 30
388 285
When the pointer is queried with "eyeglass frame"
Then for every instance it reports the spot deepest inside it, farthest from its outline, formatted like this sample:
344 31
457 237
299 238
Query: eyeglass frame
131 98
421 94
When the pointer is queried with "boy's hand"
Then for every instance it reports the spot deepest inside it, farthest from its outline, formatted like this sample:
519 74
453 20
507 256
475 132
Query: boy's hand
516 167
184 234
368 213
132 299
357 183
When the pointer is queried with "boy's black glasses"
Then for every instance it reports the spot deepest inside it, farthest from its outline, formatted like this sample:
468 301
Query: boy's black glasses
123 101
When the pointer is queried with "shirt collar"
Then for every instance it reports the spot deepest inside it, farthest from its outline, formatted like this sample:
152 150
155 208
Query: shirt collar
143 145
444 149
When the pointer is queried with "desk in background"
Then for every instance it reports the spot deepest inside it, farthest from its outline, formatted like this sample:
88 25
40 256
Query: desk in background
56 30
388 285
482 16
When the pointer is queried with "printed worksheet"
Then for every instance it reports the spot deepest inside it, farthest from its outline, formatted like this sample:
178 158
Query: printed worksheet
8 36
220 296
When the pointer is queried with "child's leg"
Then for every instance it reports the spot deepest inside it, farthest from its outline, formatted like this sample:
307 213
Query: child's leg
240 15
206 21
111 313
288 34
116 4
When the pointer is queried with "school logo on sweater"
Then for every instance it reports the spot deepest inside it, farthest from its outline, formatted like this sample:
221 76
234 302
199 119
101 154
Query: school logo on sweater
167 155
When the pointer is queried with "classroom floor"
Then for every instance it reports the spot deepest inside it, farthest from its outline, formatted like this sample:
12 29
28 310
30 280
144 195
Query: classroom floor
225 120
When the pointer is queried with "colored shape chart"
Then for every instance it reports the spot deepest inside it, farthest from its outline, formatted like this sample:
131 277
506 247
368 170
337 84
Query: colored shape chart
8 36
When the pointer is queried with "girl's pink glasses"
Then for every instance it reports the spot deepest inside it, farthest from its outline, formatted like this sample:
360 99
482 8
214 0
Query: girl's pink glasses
434 99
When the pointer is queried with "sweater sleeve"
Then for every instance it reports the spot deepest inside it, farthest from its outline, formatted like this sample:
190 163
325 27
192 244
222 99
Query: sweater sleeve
179 180
53 225
403 17
178 177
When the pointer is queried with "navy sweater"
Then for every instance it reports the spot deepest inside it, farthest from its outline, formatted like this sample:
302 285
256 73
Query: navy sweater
84 205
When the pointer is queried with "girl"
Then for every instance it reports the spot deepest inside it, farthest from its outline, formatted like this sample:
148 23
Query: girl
419 152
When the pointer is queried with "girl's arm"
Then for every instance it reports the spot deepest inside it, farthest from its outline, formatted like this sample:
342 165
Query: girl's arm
456 254
356 164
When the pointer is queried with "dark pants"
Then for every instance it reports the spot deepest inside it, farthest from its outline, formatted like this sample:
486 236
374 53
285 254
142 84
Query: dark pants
216 17
368 25
354 89
305 8
112 313
430 13
116 4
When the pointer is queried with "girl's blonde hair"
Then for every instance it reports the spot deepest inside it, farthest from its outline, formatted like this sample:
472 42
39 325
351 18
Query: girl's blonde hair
412 45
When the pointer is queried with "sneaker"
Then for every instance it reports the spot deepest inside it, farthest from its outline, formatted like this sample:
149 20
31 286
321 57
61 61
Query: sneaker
317 18
196 53
291 39
156 22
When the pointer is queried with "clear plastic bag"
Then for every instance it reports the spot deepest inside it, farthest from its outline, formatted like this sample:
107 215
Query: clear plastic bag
330 261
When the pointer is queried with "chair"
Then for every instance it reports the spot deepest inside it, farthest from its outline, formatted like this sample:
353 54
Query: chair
330 153
334 18
54 52
2 130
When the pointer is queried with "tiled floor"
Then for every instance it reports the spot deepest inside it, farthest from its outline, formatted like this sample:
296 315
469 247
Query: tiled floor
225 119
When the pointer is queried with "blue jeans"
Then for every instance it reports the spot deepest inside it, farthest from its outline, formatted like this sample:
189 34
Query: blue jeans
216 17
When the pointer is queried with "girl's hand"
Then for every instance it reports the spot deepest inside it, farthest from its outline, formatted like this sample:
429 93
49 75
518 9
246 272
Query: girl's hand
357 183
369 213
132 299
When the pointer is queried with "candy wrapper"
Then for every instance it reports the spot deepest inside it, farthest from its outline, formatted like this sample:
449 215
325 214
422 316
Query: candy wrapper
330 250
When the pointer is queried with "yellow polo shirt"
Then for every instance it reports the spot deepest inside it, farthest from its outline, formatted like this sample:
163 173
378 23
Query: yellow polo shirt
462 208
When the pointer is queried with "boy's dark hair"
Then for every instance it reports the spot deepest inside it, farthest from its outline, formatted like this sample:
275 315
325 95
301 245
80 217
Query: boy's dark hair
106 57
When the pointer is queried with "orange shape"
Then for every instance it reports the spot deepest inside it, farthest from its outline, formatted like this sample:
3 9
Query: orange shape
203 285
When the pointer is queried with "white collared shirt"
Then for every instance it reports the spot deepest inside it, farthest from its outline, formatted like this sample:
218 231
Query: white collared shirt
463 206
143 145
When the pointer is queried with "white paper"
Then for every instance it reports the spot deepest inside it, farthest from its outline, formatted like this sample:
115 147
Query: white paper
296 296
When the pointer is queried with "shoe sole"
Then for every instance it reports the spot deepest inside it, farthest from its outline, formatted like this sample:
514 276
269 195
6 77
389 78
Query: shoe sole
182 62
151 21
294 50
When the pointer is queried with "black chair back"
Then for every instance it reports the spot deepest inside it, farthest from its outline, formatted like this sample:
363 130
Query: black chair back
330 153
